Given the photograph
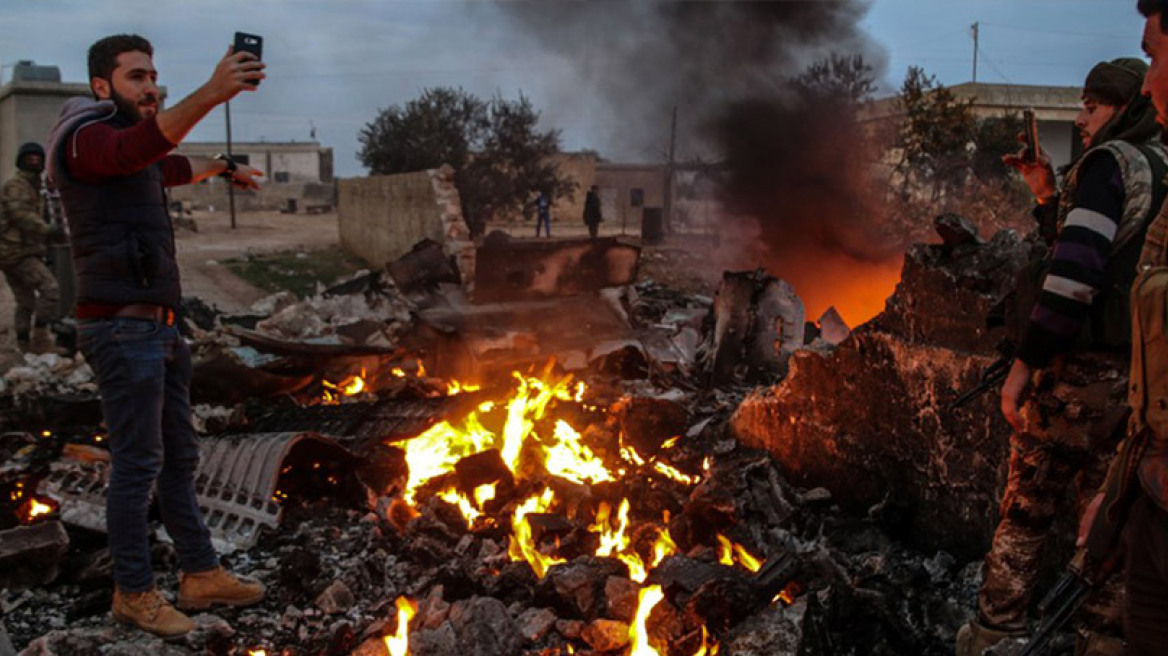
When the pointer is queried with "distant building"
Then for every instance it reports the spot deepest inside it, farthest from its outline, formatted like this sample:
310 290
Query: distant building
298 175
29 105
1054 107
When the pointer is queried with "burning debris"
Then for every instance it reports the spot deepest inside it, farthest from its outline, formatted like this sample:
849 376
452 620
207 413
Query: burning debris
489 478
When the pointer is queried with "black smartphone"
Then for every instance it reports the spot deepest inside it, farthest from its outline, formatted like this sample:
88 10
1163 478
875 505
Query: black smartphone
250 43
1031 128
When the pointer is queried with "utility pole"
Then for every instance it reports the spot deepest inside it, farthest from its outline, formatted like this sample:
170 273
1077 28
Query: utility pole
667 208
230 184
976 32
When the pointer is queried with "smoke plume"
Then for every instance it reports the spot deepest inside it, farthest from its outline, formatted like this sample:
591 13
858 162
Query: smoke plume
792 163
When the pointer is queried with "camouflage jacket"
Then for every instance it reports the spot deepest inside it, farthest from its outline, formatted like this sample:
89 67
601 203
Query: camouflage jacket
22 219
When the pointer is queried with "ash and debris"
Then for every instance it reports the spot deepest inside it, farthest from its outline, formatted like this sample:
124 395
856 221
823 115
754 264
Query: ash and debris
338 562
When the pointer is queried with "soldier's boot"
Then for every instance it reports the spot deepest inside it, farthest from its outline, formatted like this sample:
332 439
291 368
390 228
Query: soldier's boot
973 638
150 612
217 586
43 341
1089 643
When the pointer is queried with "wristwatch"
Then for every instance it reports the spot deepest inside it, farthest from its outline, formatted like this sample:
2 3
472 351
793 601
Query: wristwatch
231 165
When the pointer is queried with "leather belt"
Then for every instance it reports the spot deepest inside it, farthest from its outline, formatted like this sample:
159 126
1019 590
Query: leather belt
159 313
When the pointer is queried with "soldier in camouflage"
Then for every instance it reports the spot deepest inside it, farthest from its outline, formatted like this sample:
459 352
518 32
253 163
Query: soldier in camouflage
23 236
1064 396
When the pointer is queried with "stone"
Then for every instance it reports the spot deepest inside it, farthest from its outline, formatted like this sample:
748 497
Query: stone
336 598
570 629
484 628
606 635
30 555
576 589
621 597
536 623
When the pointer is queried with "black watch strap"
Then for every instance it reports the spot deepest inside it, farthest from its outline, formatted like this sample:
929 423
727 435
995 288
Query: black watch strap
231 165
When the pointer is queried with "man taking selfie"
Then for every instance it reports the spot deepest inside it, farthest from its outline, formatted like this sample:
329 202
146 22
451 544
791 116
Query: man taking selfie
110 158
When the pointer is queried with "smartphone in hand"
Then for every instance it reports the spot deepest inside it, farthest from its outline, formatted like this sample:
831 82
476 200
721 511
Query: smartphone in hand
1031 128
250 43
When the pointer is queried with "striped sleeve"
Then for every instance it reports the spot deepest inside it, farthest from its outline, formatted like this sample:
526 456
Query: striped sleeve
1078 263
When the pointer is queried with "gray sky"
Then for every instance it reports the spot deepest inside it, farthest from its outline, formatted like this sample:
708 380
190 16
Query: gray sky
335 64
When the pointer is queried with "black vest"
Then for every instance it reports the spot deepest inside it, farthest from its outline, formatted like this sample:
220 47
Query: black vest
122 238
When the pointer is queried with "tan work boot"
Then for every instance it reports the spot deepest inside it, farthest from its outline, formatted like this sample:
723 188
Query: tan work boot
973 638
150 612
217 586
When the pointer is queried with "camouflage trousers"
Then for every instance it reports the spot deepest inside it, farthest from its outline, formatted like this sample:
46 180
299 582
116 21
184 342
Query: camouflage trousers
35 290
1072 423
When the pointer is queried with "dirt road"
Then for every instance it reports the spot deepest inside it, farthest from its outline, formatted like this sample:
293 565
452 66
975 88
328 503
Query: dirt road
201 253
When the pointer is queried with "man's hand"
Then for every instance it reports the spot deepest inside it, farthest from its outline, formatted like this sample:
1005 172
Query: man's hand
1017 382
1039 174
244 176
231 76
234 73
1088 519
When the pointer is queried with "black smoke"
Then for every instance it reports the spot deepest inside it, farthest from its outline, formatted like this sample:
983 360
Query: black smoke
795 163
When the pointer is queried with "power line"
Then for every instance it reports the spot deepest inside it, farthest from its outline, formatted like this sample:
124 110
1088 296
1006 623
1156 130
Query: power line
1090 35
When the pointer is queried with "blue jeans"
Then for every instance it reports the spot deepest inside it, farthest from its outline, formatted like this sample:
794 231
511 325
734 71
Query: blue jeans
143 372
543 221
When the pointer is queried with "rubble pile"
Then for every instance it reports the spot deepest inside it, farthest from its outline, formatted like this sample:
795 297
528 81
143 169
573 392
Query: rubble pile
874 412
555 474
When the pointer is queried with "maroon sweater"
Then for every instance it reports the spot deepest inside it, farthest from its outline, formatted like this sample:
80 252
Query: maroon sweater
103 151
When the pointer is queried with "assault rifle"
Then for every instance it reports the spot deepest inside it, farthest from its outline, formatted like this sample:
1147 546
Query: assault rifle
1061 603
993 374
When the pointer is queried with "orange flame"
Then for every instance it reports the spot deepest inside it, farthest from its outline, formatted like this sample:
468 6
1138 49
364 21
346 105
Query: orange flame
32 508
257 652
454 387
638 632
730 552
709 647
351 386
399 644
521 545
435 452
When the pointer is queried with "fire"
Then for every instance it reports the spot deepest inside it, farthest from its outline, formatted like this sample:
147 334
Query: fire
454 387
399 644
570 458
638 632
33 508
257 652
471 510
787 596
521 546
616 542
856 288
435 452
334 392
675 475
709 647
731 552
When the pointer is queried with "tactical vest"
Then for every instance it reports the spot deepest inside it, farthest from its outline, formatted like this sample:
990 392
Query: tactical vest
1142 169
1149 299
122 238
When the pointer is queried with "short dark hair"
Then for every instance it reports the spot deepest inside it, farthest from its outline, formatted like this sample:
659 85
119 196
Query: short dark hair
103 55
1149 8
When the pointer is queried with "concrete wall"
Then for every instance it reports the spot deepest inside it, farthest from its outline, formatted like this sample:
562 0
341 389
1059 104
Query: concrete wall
581 169
381 217
617 183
